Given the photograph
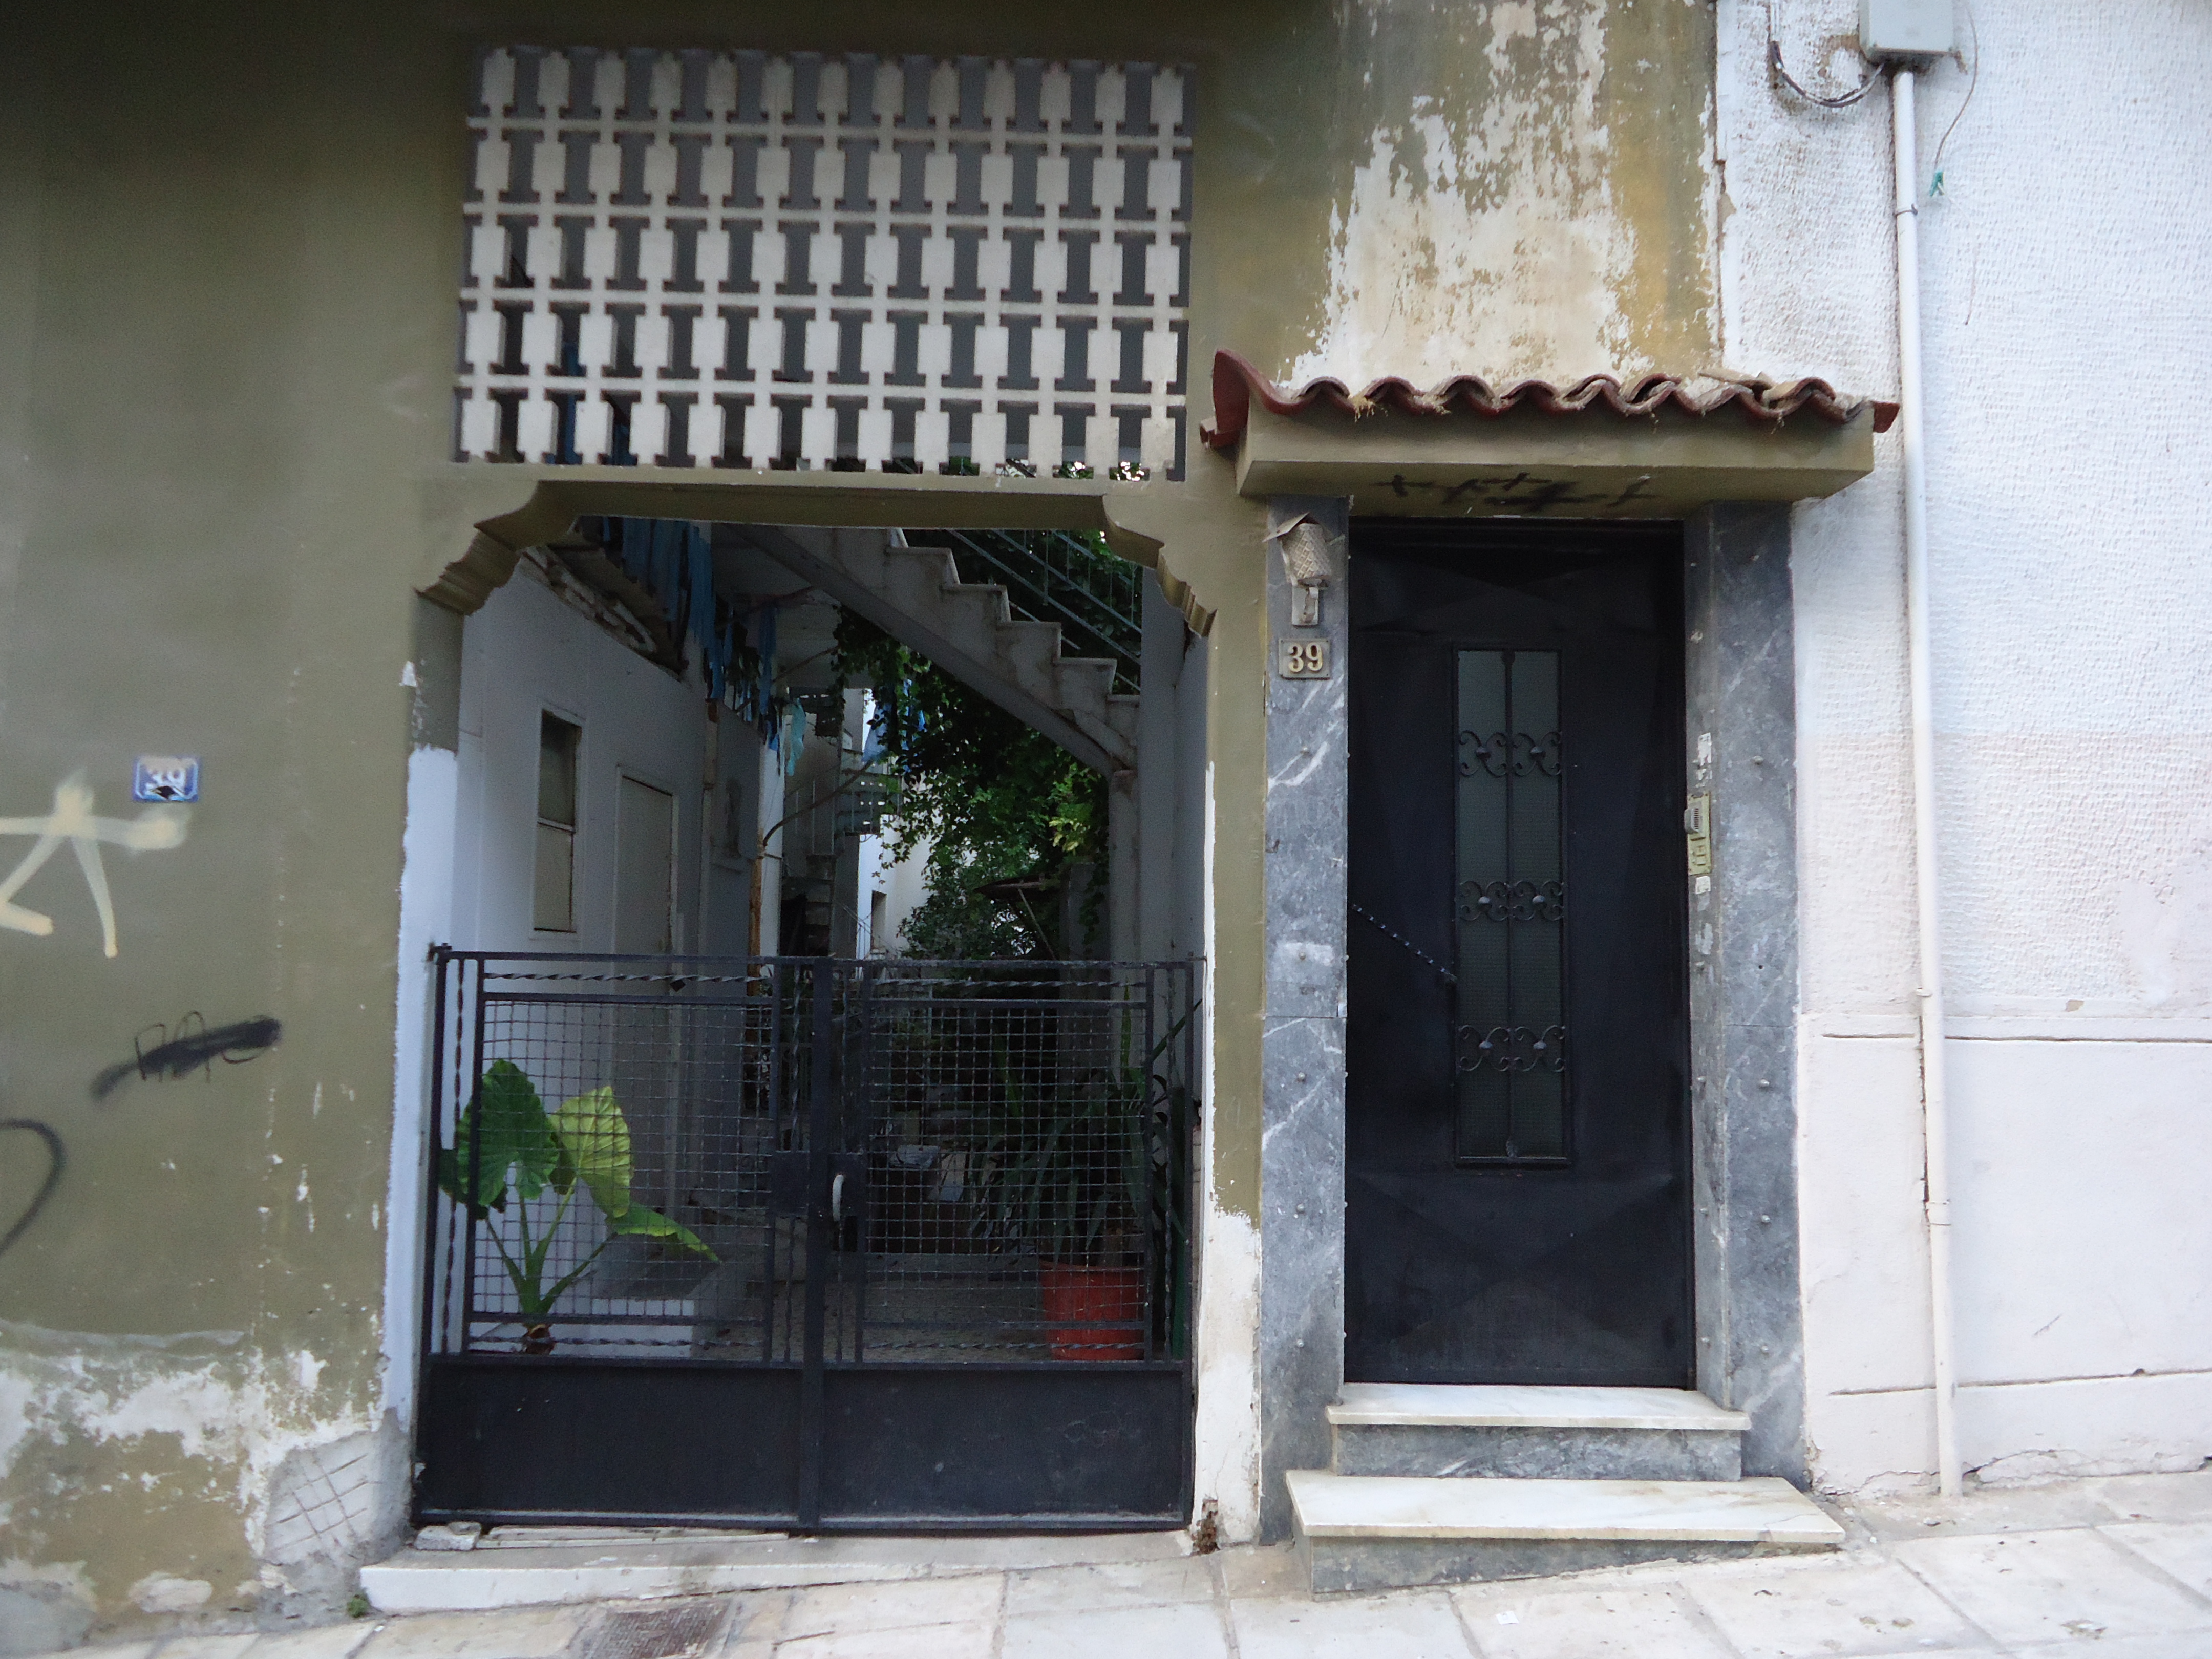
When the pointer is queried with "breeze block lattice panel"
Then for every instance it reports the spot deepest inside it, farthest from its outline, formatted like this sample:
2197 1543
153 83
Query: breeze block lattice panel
700 259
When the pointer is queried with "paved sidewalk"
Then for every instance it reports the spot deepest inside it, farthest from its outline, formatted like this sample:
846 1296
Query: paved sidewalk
2121 1568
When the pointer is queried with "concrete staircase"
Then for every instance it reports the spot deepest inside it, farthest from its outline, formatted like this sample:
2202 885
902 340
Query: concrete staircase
968 630
1432 1484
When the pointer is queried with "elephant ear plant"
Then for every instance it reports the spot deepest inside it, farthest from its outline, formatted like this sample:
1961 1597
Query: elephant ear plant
519 1148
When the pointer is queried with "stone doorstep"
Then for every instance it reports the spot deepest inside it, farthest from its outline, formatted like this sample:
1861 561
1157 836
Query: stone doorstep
1410 1429
1360 1532
1427 1404
1760 1510
508 1571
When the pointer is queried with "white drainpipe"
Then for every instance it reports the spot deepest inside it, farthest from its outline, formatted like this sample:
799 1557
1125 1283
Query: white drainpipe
1934 1103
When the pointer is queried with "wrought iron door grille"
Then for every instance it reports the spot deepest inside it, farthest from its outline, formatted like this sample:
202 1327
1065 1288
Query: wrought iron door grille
770 1161
1510 1037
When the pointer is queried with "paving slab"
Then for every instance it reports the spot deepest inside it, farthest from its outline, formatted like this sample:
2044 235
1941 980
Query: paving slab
755 1624
916 1603
1617 1624
1983 1510
209 1647
973 1639
1193 1631
2156 1497
1111 1584
522 1633
1255 1570
2045 1586
1415 1624
2182 1551
1848 1609
2197 1646
326 1642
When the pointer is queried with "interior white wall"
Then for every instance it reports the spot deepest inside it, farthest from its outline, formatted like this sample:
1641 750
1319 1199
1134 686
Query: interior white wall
525 652
2062 275
903 883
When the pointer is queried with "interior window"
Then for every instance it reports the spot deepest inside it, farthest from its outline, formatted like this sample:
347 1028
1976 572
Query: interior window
553 900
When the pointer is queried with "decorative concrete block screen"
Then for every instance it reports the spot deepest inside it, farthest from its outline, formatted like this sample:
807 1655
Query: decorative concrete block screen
702 258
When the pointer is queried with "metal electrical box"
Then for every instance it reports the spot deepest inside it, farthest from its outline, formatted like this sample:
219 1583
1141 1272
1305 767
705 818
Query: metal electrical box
1904 28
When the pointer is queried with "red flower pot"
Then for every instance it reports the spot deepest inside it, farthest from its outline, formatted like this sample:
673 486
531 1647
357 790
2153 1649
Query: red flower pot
1096 1297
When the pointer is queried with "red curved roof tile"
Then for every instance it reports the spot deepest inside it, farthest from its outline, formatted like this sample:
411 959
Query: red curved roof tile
1237 382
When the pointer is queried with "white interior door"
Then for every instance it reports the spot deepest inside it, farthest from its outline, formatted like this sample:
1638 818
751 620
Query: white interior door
645 868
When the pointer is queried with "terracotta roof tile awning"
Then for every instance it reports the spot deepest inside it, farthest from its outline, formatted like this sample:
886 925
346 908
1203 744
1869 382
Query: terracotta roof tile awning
1237 382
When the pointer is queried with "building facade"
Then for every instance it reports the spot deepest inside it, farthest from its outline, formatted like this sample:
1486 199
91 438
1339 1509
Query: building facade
266 509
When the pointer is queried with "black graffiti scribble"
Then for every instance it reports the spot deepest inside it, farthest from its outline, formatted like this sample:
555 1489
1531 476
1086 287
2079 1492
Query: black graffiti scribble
55 1159
191 1047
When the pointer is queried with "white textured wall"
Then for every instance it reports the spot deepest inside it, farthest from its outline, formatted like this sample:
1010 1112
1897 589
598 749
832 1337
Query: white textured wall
2064 272
524 652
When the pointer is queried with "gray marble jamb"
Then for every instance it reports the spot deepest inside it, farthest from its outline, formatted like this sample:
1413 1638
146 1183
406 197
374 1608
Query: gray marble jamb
1302 1037
1742 734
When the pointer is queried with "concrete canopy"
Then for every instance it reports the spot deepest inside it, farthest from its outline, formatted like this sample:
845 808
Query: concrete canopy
1529 462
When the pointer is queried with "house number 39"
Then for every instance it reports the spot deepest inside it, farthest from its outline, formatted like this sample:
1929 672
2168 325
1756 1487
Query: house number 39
1305 660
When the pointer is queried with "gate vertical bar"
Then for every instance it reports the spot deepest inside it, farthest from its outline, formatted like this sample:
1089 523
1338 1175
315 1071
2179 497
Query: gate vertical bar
820 1086
441 956
472 1182
863 1095
1149 986
775 985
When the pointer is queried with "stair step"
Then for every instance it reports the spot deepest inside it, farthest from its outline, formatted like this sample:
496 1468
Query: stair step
1473 1432
1499 1405
916 594
1367 1532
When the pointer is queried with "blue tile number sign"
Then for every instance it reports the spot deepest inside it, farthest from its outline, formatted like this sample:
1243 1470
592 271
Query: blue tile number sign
166 778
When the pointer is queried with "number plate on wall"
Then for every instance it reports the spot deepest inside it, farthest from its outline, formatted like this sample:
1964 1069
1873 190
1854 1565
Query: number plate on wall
1305 660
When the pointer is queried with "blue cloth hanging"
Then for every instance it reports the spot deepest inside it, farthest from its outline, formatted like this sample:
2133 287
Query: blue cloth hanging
674 561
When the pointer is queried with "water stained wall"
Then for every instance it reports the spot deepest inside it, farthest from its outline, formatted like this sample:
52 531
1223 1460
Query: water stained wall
1511 190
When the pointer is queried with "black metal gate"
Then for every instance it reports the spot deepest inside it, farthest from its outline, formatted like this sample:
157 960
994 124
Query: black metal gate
807 1243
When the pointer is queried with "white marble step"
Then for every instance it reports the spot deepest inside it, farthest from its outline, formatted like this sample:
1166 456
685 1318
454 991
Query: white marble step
1759 1510
1410 1429
1363 1533
1438 1405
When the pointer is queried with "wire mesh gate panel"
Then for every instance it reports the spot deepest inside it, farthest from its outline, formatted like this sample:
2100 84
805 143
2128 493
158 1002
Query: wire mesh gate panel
808 1242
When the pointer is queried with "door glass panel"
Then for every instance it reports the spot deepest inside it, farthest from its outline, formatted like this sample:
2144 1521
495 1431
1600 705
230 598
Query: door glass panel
553 894
1510 1017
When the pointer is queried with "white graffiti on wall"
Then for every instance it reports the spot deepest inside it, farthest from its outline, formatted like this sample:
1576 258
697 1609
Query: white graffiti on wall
156 830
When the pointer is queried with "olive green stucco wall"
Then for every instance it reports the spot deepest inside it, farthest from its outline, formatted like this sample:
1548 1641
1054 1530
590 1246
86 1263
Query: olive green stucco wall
228 245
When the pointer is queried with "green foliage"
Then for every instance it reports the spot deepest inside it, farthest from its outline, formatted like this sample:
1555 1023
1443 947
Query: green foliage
1068 1171
517 1146
1002 805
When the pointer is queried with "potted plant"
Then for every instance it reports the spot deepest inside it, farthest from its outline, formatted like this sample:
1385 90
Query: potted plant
1067 1175
517 1148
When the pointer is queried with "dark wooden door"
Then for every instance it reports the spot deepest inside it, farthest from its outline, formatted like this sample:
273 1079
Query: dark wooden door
1517 1110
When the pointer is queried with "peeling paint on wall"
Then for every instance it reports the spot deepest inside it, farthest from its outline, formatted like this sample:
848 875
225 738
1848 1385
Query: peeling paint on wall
1523 206
1226 1435
1485 236
104 1439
